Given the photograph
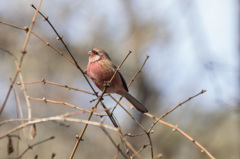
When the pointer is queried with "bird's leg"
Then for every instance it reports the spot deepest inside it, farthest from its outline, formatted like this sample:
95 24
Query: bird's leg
107 84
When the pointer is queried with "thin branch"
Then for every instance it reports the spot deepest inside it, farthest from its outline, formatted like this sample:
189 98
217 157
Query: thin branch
176 128
150 143
55 49
56 118
116 155
26 28
44 41
19 108
145 131
67 104
69 52
138 71
129 145
165 114
19 112
114 144
133 78
38 143
142 148
135 135
135 120
56 84
23 52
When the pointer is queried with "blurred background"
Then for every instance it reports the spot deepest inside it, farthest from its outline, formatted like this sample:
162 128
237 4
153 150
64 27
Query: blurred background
192 45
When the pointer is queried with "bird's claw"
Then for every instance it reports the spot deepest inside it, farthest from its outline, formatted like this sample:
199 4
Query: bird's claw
107 84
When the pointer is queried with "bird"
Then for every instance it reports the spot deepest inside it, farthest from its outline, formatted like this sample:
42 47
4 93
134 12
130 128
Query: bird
101 69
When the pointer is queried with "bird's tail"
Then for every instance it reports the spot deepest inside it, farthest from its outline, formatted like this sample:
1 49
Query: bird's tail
134 101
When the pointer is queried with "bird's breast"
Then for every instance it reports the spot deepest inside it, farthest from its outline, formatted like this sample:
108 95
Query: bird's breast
100 72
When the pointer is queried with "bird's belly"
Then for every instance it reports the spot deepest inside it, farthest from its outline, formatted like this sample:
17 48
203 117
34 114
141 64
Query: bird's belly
100 74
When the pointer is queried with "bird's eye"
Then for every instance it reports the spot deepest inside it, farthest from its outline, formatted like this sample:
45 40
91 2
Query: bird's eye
95 52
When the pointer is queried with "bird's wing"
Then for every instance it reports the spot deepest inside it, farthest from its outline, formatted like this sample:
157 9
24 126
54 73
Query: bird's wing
112 66
123 82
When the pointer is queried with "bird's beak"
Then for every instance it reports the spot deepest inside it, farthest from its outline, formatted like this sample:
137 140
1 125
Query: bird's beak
89 53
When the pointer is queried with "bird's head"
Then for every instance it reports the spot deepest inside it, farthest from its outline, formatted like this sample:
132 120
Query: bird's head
97 55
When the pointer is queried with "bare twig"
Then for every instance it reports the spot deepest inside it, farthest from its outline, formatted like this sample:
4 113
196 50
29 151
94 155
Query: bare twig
67 104
142 148
55 49
135 135
56 118
38 143
19 112
19 108
111 139
165 114
47 43
56 84
129 145
14 26
133 78
176 128
138 71
135 120
19 66
145 131
69 52
116 155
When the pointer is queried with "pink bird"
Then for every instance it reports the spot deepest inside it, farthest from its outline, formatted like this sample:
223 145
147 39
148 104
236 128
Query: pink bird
101 69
